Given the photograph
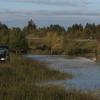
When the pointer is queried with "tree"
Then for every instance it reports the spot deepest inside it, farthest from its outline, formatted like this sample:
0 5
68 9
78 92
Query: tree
54 28
4 34
53 41
75 28
30 28
90 31
75 31
31 25
57 28
18 41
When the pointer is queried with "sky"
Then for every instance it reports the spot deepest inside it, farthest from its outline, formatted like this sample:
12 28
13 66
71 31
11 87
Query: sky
46 12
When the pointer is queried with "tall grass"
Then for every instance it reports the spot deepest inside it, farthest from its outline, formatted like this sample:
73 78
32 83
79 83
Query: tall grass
18 78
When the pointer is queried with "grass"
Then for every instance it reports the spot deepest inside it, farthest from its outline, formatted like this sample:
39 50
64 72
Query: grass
35 70
18 78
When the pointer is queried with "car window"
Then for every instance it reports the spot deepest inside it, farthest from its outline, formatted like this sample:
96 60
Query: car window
2 51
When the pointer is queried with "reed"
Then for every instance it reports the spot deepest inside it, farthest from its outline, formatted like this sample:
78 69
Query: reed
18 79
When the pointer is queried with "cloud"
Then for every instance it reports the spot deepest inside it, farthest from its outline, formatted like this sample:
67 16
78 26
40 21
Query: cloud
46 14
49 9
67 8
55 2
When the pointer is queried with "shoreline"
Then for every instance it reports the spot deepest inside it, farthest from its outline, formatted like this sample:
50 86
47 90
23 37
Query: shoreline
18 79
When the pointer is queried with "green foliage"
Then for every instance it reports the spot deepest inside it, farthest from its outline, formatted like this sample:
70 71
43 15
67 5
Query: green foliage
47 40
75 28
57 28
4 32
17 40
79 48
31 28
87 32
53 41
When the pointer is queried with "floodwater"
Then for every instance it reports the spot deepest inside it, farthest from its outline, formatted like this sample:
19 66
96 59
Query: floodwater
85 71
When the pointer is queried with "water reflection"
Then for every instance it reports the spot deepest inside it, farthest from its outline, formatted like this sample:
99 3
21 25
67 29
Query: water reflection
87 72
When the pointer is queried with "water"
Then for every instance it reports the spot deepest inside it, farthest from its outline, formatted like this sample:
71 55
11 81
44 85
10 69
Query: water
86 72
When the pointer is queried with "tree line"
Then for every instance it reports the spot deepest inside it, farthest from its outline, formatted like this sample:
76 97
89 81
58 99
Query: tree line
54 36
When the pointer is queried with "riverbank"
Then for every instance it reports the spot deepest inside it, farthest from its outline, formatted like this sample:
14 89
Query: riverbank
18 78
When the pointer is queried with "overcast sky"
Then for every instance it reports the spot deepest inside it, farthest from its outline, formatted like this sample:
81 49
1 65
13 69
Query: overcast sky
45 12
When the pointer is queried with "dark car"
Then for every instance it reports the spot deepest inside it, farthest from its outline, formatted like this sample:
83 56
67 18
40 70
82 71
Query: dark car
4 53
